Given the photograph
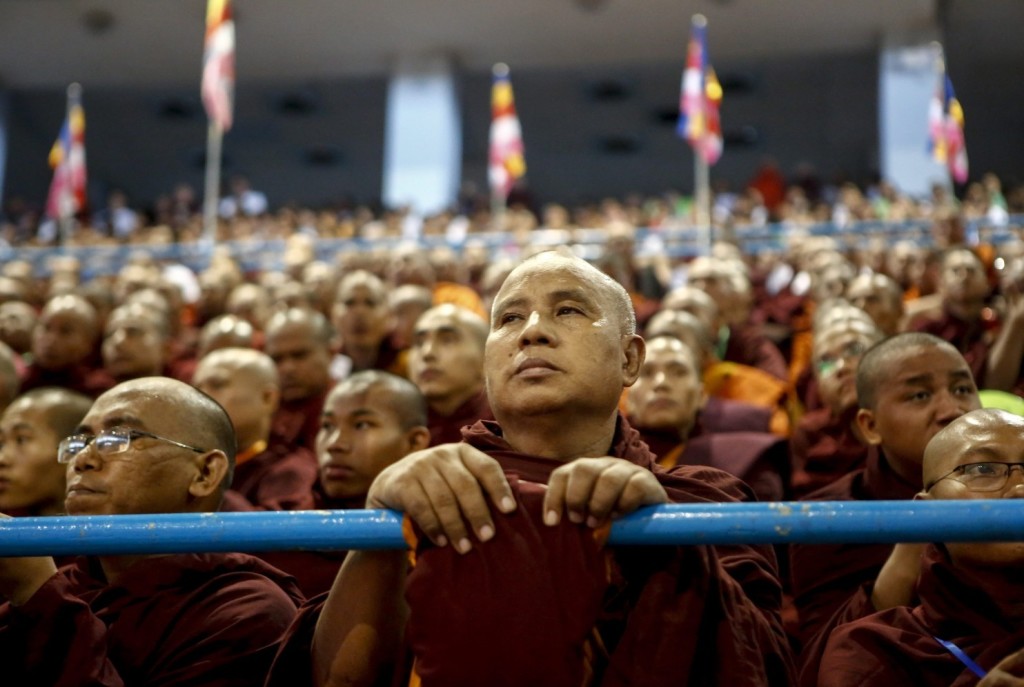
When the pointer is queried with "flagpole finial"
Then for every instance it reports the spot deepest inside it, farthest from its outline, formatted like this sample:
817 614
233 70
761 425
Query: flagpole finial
75 90
500 69
700 21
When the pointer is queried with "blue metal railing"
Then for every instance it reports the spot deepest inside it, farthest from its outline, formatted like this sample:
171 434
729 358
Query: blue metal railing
677 524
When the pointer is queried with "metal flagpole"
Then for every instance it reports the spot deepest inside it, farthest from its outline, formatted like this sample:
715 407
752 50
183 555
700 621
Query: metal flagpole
214 139
702 201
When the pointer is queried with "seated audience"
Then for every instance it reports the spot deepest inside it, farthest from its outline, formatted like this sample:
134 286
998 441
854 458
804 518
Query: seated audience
967 615
152 445
64 348
532 603
909 387
363 322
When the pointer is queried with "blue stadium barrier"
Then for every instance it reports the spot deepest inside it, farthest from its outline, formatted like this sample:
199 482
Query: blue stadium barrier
732 523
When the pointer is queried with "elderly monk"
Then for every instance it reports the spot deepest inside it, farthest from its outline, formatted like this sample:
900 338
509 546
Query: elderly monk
136 343
968 616
664 405
522 594
152 445
64 348
269 474
32 482
909 387
446 362
298 341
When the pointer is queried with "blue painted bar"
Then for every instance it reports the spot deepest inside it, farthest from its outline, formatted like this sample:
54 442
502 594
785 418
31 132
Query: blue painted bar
732 523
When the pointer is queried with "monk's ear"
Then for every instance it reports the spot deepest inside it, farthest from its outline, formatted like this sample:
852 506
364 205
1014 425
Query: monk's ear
270 397
634 350
922 496
211 469
868 427
418 438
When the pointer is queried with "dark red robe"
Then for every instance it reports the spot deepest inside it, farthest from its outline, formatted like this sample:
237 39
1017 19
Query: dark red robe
279 478
748 346
541 605
832 583
296 423
898 646
760 459
83 379
824 448
448 429
970 338
725 415
198 620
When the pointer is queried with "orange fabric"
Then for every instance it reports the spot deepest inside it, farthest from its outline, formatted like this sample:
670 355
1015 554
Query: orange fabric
671 459
461 295
751 385
250 453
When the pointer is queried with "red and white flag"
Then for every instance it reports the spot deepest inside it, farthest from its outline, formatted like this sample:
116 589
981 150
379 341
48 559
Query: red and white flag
506 163
67 159
218 87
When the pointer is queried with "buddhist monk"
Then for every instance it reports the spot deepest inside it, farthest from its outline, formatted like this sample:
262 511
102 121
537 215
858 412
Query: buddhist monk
298 341
269 474
32 482
362 319
909 387
664 405
136 343
446 362
64 348
881 298
511 583
967 617
152 445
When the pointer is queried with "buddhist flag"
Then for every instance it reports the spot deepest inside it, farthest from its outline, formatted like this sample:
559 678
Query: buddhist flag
67 159
219 63
505 160
946 125
700 97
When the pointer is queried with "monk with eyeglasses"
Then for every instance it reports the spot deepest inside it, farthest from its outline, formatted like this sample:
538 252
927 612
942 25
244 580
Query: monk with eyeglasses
970 610
151 445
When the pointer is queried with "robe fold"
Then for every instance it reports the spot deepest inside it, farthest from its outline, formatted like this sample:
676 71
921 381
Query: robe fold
197 620
278 478
447 429
823 449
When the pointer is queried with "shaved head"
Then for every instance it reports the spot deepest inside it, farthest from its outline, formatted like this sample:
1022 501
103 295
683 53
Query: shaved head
875 367
405 400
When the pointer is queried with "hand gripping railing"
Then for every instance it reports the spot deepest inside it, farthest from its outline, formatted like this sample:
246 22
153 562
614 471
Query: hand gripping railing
714 523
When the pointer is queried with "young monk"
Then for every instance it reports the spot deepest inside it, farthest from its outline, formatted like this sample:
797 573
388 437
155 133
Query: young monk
520 594
446 362
968 616
664 405
370 420
909 387
32 482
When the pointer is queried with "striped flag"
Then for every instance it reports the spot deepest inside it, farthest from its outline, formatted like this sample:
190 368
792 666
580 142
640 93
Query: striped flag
67 159
505 160
946 125
700 96
219 63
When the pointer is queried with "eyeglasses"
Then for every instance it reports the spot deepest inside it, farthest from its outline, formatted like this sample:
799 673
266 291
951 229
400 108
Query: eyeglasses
827 364
980 476
109 442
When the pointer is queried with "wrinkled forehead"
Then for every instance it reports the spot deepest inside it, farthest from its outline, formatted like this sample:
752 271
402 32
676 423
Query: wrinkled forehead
542 276
976 437
134 407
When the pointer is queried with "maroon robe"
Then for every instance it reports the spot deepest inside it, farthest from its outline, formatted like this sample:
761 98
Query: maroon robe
279 478
192 619
83 379
724 415
296 423
824 448
760 459
541 605
832 583
748 346
314 571
898 646
970 338
448 429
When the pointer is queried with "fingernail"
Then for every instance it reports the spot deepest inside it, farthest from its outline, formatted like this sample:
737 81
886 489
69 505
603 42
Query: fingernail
464 546
486 532
575 517
591 521
508 504
551 518
441 540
